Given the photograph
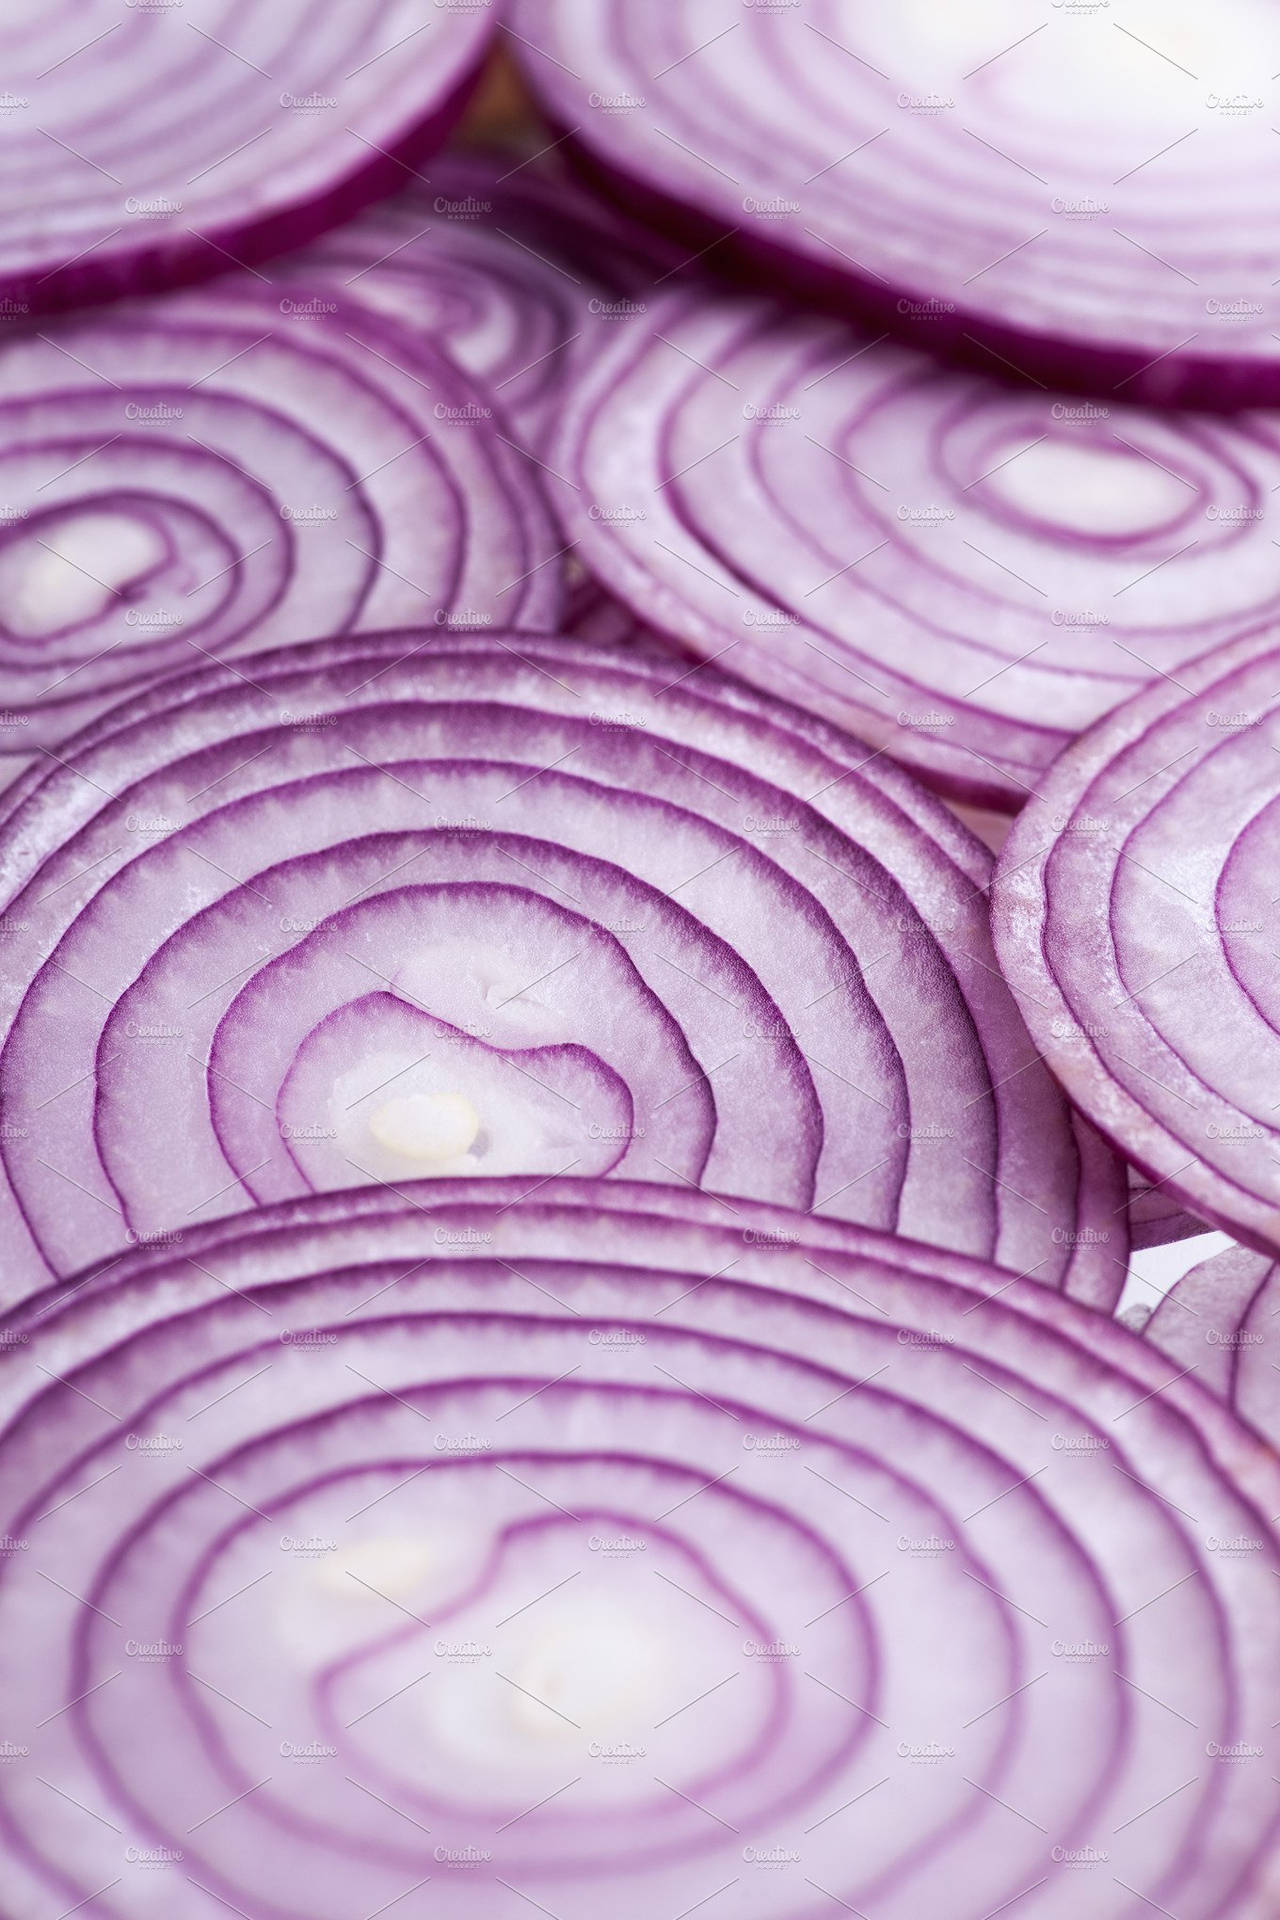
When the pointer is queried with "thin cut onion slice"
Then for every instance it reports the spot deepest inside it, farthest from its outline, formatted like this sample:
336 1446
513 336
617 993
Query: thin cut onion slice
1081 195
634 916
1133 908
1219 1322
237 468
513 270
602 1547
964 573
154 144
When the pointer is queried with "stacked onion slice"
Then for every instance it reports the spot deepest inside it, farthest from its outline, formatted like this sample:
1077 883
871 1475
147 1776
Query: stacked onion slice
965 573
610 1549
155 143
1135 916
431 903
240 467
512 270
1084 195
1219 1323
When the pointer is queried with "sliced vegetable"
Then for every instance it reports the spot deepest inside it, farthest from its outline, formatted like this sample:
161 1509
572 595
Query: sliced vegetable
159 142
609 1547
964 573
512 270
1219 1322
1081 194
1134 909
235 468
424 902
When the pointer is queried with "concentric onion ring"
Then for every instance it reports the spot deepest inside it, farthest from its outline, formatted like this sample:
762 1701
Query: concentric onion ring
154 143
610 1549
236 468
512 270
1085 195
435 903
1219 1322
964 573
1134 904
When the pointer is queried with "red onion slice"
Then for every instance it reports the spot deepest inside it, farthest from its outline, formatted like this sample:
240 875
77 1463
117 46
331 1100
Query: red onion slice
600 874
156 144
1219 1322
1082 195
1132 908
963 573
512 270
236 468
606 1546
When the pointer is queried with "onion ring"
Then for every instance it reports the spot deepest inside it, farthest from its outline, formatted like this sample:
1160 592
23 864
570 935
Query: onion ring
1131 907
236 468
156 144
603 1545
429 902
1082 198
964 573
